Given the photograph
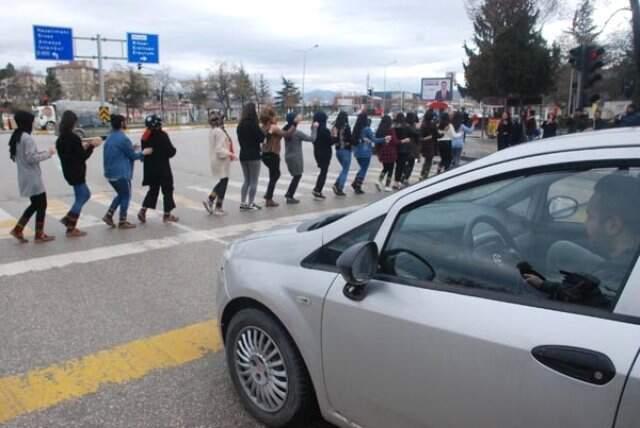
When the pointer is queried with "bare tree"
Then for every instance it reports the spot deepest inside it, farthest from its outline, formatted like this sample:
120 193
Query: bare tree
162 82
221 85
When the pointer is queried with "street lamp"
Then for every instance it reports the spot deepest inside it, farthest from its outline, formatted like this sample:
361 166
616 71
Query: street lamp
384 85
304 70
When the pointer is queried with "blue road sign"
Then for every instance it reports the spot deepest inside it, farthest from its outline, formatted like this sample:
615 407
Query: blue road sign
143 48
53 43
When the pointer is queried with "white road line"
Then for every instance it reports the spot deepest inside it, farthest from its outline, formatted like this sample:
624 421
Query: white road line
229 196
40 264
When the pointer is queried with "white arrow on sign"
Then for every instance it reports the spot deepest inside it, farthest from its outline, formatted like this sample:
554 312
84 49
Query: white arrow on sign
143 58
55 55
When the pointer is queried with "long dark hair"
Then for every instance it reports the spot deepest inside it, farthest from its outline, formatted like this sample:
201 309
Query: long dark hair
68 122
427 120
249 113
24 120
412 118
400 119
444 121
342 120
361 123
384 128
457 121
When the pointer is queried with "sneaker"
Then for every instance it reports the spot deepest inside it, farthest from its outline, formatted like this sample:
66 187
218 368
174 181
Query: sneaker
292 201
359 191
170 218
318 196
254 207
219 212
65 221
208 205
108 220
75 233
270 203
124 224
396 186
336 190
245 207
379 186
340 192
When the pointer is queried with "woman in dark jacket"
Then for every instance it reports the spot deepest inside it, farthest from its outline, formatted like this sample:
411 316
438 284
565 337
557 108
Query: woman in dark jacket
550 126
429 138
414 146
73 154
321 152
157 170
341 137
387 153
505 128
250 137
404 150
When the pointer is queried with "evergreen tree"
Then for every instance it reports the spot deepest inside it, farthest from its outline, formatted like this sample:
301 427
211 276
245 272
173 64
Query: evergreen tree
263 92
53 89
288 97
510 57
583 29
242 86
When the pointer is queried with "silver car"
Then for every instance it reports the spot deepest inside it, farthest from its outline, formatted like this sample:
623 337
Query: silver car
504 293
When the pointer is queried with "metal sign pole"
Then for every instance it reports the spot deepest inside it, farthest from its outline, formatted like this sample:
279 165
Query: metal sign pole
570 103
100 70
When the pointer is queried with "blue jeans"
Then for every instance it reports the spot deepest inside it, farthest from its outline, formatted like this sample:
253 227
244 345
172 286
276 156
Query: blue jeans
344 157
122 186
456 154
82 195
364 167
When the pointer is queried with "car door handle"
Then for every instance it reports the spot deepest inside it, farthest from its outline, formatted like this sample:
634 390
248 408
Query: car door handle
583 364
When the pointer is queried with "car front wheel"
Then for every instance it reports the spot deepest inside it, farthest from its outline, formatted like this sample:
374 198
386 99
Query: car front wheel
267 370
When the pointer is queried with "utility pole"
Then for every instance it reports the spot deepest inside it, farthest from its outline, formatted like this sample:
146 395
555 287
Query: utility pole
570 102
384 86
304 71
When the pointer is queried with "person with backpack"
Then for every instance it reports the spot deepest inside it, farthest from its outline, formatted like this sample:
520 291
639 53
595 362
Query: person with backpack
118 158
250 138
321 152
342 139
363 140
24 152
73 153
157 170
293 154
221 154
387 153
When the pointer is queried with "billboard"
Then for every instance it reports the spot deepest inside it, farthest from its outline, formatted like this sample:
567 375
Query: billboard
437 89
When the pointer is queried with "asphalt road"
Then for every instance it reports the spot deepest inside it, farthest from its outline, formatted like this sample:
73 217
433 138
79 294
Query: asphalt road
75 315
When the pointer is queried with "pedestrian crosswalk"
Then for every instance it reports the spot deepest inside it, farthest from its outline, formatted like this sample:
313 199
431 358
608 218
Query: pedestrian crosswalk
189 198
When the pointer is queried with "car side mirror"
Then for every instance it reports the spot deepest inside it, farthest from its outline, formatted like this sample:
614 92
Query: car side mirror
357 265
561 207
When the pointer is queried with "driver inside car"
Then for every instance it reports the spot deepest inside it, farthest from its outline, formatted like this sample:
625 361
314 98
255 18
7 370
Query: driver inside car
613 228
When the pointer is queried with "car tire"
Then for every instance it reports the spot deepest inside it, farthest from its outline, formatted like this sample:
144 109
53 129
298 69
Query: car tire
298 407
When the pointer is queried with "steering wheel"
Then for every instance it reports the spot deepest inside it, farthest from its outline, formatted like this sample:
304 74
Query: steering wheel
468 241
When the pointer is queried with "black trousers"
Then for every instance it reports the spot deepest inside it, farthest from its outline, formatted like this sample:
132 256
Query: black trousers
408 167
426 166
291 191
387 171
444 147
220 190
151 200
272 162
322 178
401 166
39 207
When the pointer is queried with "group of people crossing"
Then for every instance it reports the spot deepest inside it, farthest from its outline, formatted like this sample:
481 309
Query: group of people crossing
398 143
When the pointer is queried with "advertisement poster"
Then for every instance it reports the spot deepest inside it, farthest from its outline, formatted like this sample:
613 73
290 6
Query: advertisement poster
437 89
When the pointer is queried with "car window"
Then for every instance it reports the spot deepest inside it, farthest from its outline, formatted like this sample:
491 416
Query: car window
486 243
328 254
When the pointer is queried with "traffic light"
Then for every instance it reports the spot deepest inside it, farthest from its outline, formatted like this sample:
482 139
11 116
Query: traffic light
370 92
139 66
593 63
576 58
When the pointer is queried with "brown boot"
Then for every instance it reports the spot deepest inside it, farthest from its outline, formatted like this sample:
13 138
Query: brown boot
75 233
124 224
17 232
270 203
170 218
42 237
142 215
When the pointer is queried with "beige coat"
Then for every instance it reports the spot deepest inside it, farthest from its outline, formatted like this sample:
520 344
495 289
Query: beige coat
220 151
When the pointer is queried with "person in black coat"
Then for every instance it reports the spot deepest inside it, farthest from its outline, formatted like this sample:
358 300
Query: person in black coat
505 129
73 154
322 152
157 170
550 127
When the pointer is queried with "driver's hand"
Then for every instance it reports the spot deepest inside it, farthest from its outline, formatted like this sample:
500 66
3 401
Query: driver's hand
533 280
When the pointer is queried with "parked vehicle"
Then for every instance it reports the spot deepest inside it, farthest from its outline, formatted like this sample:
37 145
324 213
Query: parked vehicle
481 297
89 124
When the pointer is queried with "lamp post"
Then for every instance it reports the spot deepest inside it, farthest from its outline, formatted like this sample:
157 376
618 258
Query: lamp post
384 86
304 71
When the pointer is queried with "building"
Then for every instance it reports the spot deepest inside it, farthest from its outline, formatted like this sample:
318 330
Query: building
79 80
399 101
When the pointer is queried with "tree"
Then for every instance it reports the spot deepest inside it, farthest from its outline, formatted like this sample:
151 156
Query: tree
162 83
135 91
198 94
7 72
53 88
242 86
262 92
510 58
288 97
635 24
221 84
23 89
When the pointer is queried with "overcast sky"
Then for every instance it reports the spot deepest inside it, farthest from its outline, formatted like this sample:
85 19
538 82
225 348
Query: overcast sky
355 37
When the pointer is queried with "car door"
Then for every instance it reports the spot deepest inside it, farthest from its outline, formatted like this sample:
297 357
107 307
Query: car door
475 345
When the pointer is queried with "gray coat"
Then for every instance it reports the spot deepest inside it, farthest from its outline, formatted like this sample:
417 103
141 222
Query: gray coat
293 152
28 160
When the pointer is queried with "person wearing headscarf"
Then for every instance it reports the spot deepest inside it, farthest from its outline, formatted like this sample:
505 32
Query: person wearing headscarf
24 152
221 154
293 154
321 151
387 153
157 170
73 153
341 136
